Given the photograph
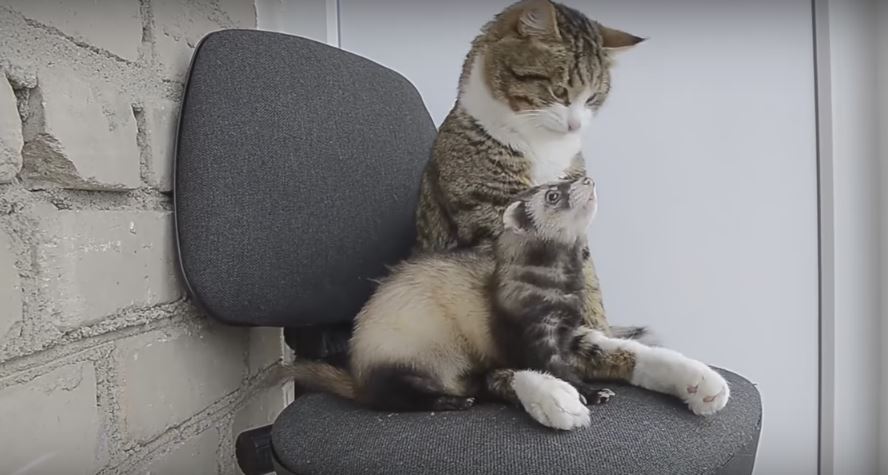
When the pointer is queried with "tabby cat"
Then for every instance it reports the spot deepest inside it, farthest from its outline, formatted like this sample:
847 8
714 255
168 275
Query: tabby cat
532 80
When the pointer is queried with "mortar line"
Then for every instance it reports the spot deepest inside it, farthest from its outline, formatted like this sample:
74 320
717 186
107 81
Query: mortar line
206 419
107 380
66 347
68 199
29 374
142 142
146 48
82 44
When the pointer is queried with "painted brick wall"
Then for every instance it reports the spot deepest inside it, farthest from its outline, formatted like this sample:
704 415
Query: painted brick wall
105 367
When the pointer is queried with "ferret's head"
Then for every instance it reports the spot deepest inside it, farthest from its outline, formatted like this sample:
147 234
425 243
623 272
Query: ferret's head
557 211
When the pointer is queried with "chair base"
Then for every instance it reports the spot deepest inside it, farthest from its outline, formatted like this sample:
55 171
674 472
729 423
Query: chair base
253 451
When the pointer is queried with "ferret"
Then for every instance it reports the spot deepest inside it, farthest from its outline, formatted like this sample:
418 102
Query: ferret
503 322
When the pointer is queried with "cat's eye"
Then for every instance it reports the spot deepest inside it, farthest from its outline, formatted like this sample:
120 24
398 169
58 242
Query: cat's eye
592 100
552 197
560 93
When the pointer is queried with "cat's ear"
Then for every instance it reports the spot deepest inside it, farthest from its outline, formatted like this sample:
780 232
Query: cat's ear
537 18
515 218
617 40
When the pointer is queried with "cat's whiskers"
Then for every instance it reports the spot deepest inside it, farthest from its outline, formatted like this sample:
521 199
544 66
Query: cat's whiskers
538 118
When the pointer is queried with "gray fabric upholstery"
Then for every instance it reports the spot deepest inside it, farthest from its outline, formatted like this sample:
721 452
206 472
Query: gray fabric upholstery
638 432
297 176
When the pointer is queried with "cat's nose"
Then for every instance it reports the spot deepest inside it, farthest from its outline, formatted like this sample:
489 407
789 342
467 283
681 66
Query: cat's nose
573 124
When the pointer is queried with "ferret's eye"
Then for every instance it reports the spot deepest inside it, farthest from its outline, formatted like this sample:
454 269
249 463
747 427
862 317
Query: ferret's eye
590 102
552 197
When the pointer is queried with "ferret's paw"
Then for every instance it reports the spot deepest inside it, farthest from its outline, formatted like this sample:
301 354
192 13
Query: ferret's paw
600 396
550 401
453 403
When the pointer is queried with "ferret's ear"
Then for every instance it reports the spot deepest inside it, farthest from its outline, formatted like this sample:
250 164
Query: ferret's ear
515 217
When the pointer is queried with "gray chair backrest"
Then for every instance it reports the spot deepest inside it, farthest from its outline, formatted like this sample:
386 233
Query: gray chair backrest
296 179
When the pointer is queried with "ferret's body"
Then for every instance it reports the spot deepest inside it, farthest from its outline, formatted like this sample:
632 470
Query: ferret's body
434 330
505 322
432 317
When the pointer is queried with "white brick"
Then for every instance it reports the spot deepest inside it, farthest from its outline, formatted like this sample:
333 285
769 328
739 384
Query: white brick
10 288
112 25
161 120
241 13
10 133
196 456
93 263
266 348
262 410
180 24
168 378
79 136
51 423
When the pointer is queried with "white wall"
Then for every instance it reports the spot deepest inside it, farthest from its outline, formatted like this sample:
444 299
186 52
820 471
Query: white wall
314 19
706 159
851 152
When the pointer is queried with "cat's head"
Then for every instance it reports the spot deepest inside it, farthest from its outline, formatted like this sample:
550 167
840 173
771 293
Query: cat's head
547 63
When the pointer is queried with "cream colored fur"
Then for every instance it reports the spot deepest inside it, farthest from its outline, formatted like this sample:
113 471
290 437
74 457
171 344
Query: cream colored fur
432 316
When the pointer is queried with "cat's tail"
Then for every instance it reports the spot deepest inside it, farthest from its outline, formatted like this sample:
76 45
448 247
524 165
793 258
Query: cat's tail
641 334
314 377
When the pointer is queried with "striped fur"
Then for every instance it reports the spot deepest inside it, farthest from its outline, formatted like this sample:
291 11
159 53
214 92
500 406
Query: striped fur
538 300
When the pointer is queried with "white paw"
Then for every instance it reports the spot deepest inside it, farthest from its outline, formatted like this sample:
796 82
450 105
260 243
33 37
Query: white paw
704 390
550 401
701 387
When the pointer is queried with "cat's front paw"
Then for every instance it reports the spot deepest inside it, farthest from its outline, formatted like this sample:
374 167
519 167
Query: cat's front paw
705 391
550 401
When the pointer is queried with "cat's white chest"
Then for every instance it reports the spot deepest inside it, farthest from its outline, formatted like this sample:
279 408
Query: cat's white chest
549 153
550 158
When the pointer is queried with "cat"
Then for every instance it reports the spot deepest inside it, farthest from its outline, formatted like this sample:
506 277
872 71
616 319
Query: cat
531 82
504 321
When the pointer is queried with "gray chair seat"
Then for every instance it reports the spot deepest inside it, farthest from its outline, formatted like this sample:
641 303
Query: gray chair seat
636 432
